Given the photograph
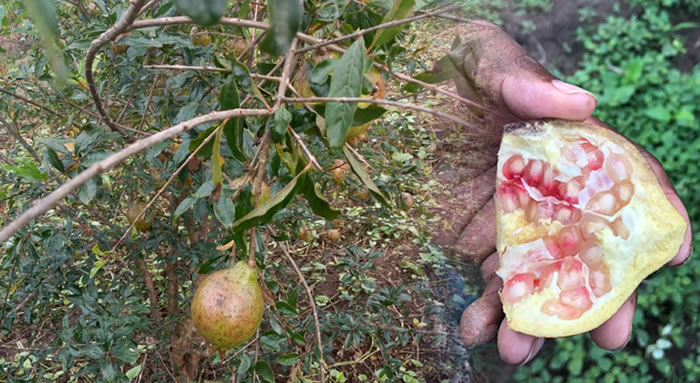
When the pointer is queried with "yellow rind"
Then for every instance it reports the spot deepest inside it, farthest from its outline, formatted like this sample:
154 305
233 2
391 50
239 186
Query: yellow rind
654 240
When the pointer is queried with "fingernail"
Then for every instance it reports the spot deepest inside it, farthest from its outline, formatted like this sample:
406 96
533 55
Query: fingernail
571 89
624 345
533 351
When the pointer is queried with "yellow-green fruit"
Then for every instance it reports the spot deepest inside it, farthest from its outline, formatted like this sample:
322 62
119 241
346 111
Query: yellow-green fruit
228 306
238 46
141 224
201 40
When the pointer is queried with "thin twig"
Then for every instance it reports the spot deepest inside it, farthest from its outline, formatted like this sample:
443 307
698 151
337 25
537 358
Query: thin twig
312 302
189 67
15 132
379 101
390 24
41 206
121 26
305 149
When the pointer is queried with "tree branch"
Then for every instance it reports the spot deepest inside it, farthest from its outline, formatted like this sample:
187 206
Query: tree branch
15 132
122 25
39 207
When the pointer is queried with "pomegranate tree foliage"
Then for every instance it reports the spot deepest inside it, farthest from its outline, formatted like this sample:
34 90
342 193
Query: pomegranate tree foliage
79 307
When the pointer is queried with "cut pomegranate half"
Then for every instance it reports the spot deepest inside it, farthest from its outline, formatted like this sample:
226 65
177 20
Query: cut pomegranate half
581 221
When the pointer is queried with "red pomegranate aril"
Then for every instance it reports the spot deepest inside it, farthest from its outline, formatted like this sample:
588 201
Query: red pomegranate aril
595 156
604 203
518 287
578 298
591 255
545 210
569 191
590 224
548 185
532 174
548 273
599 280
513 167
570 240
618 167
567 214
531 211
553 247
571 274
562 311
508 196
624 191
619 228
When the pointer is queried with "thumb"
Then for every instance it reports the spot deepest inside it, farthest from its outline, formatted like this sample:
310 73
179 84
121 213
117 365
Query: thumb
530 95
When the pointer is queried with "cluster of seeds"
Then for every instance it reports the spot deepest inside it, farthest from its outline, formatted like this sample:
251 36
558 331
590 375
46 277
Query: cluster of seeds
581 205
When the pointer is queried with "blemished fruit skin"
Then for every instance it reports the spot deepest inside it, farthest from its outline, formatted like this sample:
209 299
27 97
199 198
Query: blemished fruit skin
228 306
581 221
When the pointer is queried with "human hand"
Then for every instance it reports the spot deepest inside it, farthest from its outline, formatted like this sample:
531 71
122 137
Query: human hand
496 71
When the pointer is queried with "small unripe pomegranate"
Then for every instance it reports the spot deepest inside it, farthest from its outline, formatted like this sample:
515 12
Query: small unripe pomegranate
228 306
141 224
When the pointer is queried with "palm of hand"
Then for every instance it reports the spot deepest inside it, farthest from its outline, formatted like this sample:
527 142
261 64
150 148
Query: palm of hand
496 71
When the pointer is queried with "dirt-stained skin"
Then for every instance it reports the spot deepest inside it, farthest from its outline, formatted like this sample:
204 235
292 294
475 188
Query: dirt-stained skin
228 306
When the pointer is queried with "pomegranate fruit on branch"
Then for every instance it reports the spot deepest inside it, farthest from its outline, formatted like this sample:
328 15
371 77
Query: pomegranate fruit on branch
228 306
581 221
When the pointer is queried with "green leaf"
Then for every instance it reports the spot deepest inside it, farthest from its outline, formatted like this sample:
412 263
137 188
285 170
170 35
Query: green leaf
658 113
288 359
44 15
279 124
286 17
187 112
262 368
204 190
229 98
400 10
224 210
134 372
319 204
264 212
216 174
242 75
87 191
362 174
446 72
28 170
54 160
125 354
183 206
365 115
203 12
346 82
206 149
3 19
109 372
